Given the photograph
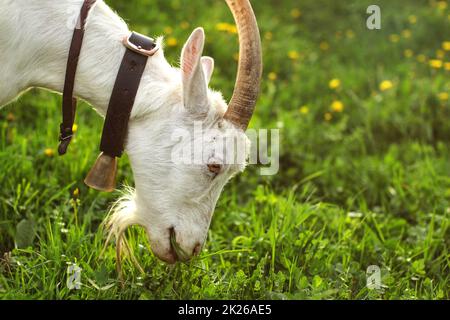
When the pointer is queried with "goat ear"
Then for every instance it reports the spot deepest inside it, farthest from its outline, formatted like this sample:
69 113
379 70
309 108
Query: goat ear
193 77
208 67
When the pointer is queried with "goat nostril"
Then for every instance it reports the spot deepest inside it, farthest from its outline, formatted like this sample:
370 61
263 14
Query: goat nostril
172 242
214 168
197 249
177 252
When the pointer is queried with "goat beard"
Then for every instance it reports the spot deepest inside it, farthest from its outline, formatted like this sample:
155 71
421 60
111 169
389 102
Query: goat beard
121 216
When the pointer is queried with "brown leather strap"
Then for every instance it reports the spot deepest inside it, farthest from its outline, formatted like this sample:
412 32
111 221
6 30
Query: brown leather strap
115 129
69 102
123 96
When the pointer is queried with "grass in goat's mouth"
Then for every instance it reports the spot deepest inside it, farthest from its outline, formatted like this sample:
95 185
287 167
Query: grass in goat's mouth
181 254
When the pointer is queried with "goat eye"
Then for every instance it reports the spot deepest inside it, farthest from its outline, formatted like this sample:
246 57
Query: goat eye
214 168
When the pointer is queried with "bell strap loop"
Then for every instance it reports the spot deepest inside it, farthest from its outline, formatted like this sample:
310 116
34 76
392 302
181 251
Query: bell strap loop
69 103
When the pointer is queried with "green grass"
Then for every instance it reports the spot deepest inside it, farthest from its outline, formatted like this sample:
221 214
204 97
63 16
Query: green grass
370 186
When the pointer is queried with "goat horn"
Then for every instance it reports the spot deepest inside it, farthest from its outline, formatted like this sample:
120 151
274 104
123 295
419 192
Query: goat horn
246 91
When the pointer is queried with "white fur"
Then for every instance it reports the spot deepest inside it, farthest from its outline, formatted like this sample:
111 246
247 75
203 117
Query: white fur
34 45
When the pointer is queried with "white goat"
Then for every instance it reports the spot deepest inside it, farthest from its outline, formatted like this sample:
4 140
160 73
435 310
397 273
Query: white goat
35 36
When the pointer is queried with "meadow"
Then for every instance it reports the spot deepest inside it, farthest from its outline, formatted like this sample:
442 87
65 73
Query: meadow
364 179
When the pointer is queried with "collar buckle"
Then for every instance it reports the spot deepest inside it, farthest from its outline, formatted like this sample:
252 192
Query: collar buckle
138 49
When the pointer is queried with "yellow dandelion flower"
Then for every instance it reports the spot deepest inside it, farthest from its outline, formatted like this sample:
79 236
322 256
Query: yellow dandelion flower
49 152
74 128
412 19
406 33
268 35
168 30
172 42
324 46
443 96
328 116
226 27
233 29
337 106
293 55
184 25
304 110
350 34
408 53
442 5
222 26
394 38
440 54
447 66
10 117
386 85
272 76
334 84
446 45
421 58
436 63
296 13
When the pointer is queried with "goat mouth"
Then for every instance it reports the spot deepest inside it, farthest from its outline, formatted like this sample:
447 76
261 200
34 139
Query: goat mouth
175 249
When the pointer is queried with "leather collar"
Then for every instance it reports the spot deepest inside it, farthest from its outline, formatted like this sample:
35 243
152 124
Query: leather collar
138 49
